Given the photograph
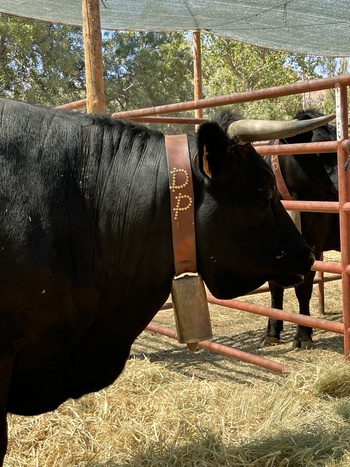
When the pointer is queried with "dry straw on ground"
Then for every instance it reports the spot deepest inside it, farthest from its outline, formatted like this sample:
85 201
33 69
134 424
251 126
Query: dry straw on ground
154 417
173 408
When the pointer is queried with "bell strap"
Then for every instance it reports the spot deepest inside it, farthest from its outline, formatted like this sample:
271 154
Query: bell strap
282 188
281 184
181 204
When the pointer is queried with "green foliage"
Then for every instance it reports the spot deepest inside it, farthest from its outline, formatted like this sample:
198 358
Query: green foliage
40 62
146 69
44 63
333 67
230 67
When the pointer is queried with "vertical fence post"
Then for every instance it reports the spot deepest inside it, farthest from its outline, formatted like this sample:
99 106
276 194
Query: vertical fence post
344 219
197 70
93 56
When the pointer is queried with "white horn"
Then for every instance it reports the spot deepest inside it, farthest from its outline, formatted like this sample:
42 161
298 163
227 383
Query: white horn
247 131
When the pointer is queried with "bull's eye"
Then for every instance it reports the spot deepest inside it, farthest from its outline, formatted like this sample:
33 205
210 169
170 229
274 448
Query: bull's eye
264 189
267 191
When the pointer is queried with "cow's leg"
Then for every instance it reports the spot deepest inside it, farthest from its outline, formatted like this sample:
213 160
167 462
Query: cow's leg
274 326
303 336
5 372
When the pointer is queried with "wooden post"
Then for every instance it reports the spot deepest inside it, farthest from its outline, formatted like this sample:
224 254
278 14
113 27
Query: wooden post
93 56
197 71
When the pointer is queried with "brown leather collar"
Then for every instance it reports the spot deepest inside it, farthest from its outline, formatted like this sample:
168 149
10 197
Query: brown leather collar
181 204
281 184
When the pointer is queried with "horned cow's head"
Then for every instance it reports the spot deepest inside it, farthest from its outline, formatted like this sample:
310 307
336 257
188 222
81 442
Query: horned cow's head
218 138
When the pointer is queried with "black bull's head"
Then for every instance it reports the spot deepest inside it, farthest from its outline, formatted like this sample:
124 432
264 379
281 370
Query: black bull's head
258 240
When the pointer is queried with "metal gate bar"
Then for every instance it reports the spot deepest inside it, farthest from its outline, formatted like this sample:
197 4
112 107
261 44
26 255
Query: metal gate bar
343 268
319 323
227 351
344 197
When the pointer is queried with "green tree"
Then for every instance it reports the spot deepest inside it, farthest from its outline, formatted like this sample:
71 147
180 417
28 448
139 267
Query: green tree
230 67
331 66
41 62
146 69
44 63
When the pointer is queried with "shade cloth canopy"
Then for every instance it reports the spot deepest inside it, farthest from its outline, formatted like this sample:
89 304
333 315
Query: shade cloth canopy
316 27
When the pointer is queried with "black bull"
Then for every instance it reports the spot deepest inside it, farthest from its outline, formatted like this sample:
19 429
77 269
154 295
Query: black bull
311 177
86 256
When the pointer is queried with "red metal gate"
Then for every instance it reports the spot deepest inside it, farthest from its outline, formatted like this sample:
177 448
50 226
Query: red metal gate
341 146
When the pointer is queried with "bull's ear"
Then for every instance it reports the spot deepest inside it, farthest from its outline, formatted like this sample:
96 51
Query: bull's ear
213 145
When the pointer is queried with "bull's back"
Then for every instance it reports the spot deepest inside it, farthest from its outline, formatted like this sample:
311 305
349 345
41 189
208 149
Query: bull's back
81 222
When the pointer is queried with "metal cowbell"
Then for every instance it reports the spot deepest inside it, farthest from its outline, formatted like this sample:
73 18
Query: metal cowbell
191 309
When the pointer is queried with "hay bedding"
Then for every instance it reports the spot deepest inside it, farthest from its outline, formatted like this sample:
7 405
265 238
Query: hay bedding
174 408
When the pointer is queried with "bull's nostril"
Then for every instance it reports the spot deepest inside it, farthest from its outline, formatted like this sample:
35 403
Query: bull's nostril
281 255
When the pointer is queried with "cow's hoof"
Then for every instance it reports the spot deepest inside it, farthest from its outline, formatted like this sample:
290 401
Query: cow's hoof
306 345
268 341
302 345
296 344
